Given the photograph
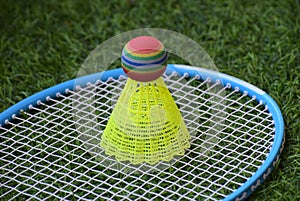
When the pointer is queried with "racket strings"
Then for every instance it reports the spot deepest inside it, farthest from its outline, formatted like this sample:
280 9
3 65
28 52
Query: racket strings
51 151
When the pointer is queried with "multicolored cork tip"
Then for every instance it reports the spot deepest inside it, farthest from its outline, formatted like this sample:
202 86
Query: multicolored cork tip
144 58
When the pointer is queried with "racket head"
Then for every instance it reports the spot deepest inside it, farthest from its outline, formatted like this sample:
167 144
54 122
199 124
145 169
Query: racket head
8 117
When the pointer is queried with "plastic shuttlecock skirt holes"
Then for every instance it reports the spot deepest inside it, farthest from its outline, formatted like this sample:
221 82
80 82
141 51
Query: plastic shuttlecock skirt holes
145 125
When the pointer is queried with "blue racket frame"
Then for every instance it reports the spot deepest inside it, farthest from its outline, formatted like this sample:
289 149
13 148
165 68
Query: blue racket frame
242 192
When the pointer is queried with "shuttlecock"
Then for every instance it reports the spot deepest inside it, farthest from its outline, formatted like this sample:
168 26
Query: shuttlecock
146 124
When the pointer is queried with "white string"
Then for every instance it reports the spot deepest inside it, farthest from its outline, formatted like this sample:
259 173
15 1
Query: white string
46 153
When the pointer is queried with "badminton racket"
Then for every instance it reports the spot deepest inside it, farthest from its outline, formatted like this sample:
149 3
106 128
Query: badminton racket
50 151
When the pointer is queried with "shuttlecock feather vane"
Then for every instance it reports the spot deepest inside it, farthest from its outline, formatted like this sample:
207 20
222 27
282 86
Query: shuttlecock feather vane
146 124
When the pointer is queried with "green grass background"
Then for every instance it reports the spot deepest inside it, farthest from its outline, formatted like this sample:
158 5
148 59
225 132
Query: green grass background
43 43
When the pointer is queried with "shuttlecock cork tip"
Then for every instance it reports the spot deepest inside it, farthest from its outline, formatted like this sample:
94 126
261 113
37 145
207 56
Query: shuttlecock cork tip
144 58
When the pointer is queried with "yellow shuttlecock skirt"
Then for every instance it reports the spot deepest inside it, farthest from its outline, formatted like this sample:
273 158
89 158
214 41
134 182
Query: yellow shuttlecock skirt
145 125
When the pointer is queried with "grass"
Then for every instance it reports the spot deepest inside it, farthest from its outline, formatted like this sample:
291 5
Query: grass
43 43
